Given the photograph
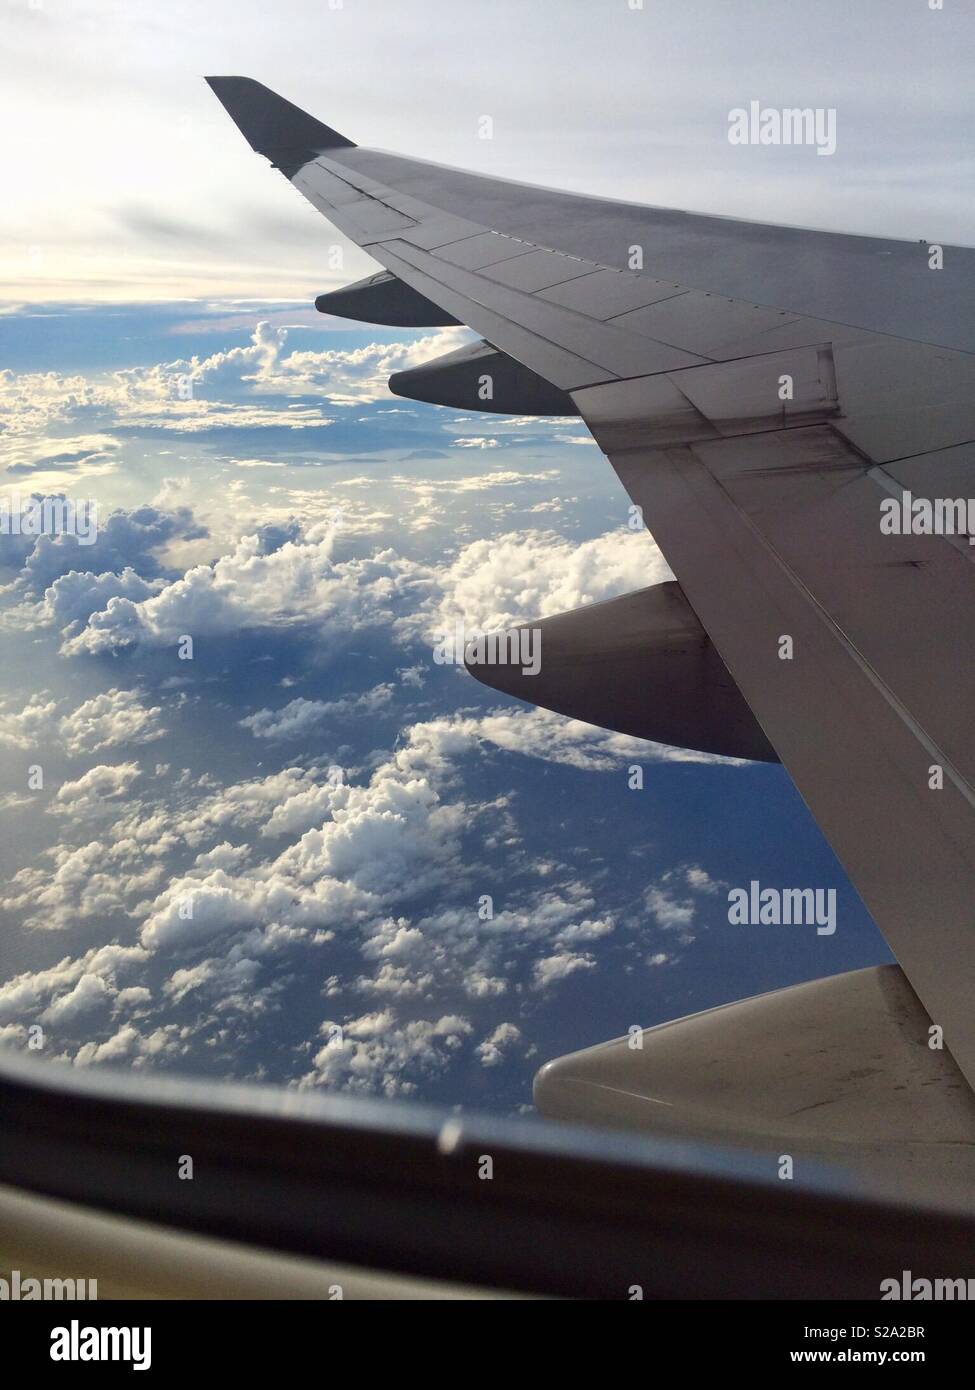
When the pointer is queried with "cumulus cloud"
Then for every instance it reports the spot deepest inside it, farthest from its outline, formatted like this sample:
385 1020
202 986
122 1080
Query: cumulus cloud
356 855
297 582
26 727
523 575
93 793
560 966
700 880
124 540
359 375
30 995
669 912
541 733
75 596
128 1045
259 385
376 1053
675 909
300 717
223 886
355 850
110 719
94 879
491 1052
91 992
105 721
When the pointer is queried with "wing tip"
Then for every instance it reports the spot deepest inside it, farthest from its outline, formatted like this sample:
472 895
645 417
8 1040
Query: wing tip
272 126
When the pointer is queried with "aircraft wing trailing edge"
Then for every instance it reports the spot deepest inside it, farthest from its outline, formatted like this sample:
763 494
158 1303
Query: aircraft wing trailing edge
793 411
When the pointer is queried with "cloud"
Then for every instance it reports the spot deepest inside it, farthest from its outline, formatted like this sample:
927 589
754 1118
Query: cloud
362 859
541 733
298 582
29 726
491 1052
231 981
550 969
253 387
124 540
91 992
700 880
95 792
232 890
75 596
94 879
105 721
669 912
376 1053
130 1046
300 717
32 994
523 575
110 719
62 459
356 376
675 911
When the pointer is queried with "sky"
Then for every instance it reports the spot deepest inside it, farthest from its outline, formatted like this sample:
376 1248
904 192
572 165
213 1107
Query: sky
123 178
334 804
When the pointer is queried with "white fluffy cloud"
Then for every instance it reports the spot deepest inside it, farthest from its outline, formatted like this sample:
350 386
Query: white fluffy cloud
300 716
375 1052
76 595
26 727
219 936
523 575
105 721
673 903
486 585
491 1052
298 582
541 733
94 879
110 719
560 966
68 987
356 855
259 385
95 792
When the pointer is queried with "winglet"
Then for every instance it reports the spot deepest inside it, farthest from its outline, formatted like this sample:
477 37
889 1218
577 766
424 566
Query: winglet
285 134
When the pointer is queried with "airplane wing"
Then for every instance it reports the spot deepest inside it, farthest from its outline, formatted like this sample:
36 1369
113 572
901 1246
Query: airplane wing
794 412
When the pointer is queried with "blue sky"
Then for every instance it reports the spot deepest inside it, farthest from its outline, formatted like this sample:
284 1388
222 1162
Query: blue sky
311 532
